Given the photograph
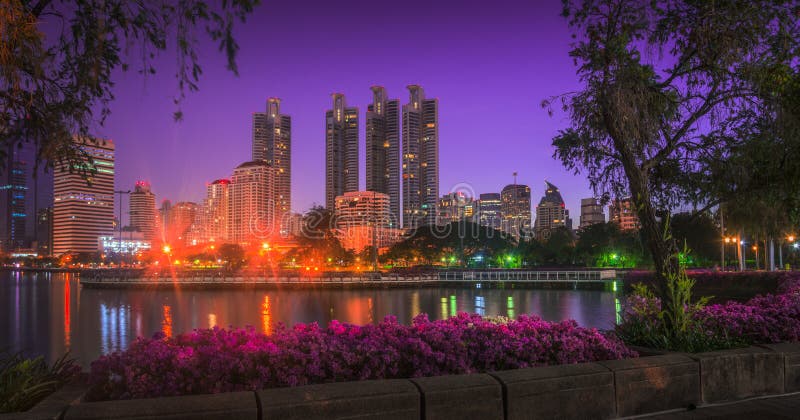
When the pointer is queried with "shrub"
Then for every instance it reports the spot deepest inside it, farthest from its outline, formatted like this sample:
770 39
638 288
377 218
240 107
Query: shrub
221 360
25 382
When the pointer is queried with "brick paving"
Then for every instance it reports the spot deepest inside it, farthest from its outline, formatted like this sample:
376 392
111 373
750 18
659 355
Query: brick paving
777 408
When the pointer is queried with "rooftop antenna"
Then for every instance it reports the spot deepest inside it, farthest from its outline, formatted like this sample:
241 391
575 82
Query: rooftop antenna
515 178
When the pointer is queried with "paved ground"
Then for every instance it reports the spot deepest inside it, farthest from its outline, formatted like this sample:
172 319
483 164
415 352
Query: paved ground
778 408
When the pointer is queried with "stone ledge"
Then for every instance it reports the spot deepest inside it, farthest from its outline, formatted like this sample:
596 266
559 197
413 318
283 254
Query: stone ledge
53 406
465 397
657 383
378 399
225 406
583 390
791 364
729 375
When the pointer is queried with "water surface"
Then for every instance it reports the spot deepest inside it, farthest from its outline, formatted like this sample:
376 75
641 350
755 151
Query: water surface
49 313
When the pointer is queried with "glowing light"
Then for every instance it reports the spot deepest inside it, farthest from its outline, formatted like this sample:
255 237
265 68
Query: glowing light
265 246
790 238
166 249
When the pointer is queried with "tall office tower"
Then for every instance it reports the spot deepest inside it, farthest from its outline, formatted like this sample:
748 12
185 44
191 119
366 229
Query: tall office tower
551 213
272 142
622 212
142 205
453 207
44 231
162 219
383 149
489 213
83 203
341 150
420 158
13 194
515 208
251 209
591 212
180 219
215 211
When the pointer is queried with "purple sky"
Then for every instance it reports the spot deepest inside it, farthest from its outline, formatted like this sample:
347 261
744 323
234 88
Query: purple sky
489 63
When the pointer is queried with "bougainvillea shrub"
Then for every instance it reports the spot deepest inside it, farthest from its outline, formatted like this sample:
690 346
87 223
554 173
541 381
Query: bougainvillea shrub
221 360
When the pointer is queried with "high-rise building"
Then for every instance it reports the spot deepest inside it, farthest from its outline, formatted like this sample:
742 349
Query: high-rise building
44 231
551 213
13 195
251 209
272 142
383 149
591 212
341 150
515 209
454 207
622 212
83 199
420 158
143 210
215 211
180 219
489 212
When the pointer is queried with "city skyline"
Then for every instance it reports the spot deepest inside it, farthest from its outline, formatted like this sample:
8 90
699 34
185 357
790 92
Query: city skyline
478 105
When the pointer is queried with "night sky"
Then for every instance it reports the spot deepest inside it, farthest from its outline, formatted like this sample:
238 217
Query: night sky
490 63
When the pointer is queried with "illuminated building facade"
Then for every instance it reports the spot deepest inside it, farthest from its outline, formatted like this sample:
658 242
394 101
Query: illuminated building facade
215 211
179 219
622 212
83 199
383 149
591 212
489 210
454 207
272 142
341 150
362 208
251 209
515 208
551 213
420 168
129 243
13 195
142 205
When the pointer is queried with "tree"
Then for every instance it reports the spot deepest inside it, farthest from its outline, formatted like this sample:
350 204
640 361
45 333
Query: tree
232 254
54 88
700 234
665 87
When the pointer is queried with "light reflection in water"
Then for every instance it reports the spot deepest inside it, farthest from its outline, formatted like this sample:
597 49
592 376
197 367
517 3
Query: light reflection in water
480 309
212 320
618 310
510 307
443 314
113 328
266 316
166 322
67 317
453 306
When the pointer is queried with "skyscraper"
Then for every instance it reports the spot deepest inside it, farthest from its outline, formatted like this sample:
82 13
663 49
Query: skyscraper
180 218
341 150
515 208
383 149
420 158
13 197
83 199
591 212
551 213
272 142
215 211
489 212
143 210
251 210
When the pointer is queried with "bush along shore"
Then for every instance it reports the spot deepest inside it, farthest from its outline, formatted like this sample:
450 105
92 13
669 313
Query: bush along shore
222 360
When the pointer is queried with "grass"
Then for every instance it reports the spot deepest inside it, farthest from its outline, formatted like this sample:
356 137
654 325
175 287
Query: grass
24 382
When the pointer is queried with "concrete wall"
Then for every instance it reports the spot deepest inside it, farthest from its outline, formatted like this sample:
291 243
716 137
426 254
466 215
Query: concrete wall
608 389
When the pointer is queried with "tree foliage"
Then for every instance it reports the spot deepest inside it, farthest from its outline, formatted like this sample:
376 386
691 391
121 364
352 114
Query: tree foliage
57 59
669 90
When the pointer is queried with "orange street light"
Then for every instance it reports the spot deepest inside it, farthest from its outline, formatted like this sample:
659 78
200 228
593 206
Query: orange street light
166 249
790 238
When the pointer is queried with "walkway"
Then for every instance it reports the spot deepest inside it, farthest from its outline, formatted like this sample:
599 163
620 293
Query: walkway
778 408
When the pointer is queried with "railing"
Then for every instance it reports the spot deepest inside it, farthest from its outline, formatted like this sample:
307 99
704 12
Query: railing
529 276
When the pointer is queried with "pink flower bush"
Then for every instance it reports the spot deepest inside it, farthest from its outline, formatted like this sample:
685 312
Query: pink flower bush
762 319
221 360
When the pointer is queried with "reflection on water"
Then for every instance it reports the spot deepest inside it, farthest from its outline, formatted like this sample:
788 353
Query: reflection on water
50 313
